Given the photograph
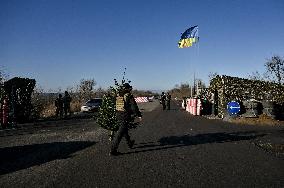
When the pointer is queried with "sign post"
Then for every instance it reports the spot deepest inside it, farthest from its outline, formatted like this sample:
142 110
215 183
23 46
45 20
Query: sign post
233 108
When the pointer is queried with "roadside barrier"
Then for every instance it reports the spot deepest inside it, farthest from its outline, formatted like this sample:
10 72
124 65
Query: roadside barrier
141 99
198 107
187 105
194 106
183 104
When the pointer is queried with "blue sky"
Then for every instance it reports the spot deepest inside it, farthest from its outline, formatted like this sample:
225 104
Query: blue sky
60 42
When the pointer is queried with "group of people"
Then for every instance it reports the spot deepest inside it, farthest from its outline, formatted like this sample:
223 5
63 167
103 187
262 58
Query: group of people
62 104
126 110
165 100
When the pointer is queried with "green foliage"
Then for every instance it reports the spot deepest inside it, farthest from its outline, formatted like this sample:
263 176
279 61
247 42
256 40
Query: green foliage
107 112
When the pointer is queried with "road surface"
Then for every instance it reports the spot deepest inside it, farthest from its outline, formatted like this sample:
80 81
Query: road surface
172 149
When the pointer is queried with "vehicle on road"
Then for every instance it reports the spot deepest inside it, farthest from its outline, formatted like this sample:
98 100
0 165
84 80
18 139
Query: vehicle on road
92 105
151 99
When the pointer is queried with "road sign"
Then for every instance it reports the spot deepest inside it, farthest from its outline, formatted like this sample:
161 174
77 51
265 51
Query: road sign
233 108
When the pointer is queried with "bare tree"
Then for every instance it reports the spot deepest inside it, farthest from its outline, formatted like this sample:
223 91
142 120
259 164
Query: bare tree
256 76
212 75
86 88
180 91
100 92
275 66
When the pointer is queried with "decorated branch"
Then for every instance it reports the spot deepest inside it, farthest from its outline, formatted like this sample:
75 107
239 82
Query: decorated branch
107 112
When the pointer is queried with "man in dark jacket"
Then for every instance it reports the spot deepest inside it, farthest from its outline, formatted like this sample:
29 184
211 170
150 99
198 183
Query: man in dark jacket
168 99
163 100
127 109
66 103
59 106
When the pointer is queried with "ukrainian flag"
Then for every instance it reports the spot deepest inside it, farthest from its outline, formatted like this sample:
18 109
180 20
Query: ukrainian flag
189 37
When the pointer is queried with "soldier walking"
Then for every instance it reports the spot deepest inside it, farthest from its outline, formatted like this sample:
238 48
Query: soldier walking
126 110
168 99
163 100
59 106
66 103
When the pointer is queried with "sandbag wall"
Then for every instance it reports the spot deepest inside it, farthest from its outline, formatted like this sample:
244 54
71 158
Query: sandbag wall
227 88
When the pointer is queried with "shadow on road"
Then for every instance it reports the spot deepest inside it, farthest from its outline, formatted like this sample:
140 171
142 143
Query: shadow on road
21 157
187 140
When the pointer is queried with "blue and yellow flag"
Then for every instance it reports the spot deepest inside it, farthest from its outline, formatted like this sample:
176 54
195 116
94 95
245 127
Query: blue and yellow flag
189 37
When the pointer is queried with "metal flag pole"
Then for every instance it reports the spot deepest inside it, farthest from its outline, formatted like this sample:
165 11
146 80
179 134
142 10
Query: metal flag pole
194 84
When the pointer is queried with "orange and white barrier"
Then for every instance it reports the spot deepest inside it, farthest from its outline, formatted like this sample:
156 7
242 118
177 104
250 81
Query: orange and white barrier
141 99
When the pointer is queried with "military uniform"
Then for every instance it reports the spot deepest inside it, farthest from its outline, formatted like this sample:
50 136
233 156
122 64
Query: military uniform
59 106
163 100
168 99
126 110
66 103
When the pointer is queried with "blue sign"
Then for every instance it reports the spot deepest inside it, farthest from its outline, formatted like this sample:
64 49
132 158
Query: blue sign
233 107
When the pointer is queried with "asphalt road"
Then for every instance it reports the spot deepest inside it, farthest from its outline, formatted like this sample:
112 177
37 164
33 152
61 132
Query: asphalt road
173 149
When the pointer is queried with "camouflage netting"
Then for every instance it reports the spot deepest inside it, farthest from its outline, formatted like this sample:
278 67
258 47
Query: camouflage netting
232 88
19 92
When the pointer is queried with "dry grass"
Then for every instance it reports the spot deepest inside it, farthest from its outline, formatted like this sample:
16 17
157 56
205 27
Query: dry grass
76 106
261 120
49 110
277 148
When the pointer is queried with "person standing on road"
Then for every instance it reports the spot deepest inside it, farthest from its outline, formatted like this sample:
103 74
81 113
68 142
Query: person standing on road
66 103
168 99
126 110
163 100
59 106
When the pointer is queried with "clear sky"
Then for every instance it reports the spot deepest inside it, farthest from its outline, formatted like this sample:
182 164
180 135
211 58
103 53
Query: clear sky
60 42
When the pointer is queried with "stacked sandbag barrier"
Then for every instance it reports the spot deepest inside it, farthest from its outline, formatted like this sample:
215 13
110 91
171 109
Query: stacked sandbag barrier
269 108
227 88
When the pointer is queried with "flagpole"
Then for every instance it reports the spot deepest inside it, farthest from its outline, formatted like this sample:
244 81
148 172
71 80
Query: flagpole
194 83
187 39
